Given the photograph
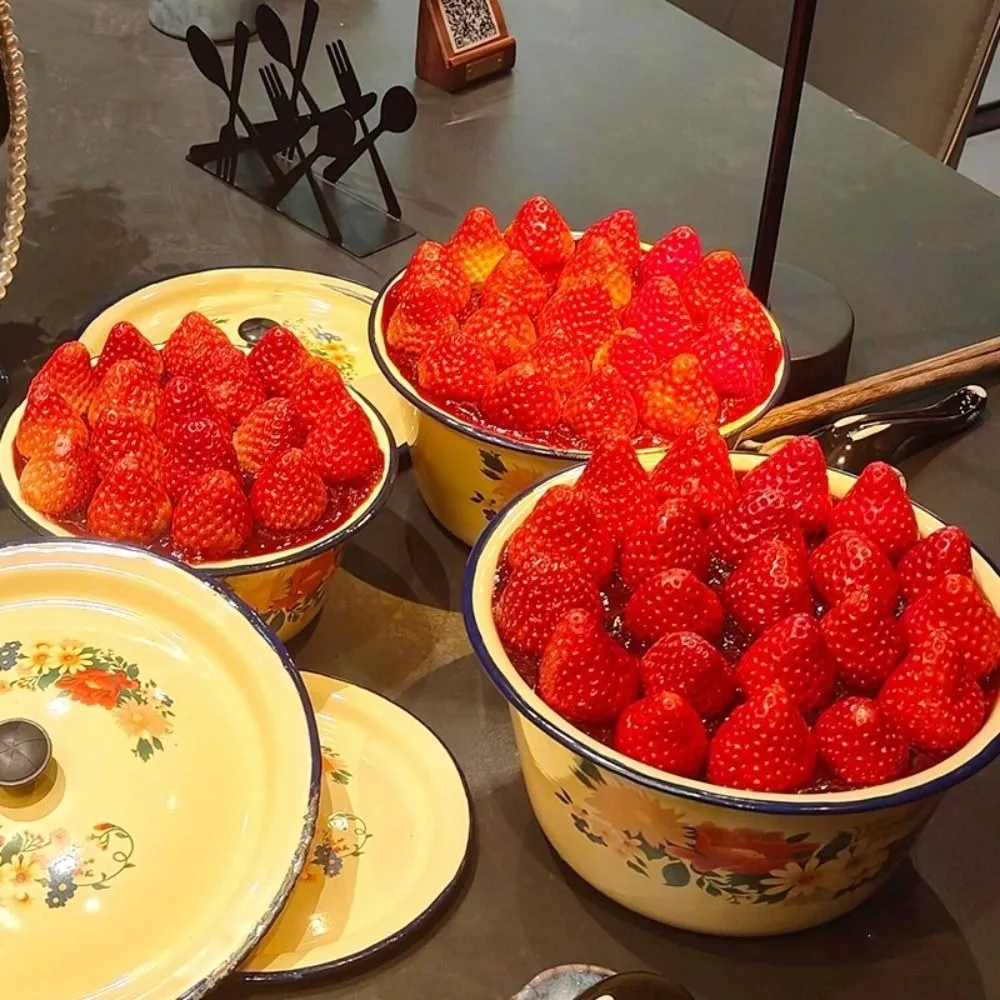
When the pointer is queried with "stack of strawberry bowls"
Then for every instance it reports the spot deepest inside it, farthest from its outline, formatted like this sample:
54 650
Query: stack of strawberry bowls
255 466
739 685
521 349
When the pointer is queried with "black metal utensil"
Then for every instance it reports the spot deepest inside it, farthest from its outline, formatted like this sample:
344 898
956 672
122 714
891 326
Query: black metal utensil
274 137
636 986
274 38
226 165
310 15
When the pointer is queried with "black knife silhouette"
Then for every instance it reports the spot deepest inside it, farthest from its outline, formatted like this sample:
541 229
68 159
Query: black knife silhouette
274 38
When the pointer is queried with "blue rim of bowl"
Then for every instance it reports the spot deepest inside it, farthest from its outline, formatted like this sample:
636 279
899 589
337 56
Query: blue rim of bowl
276 905
403 387
422 920
708 794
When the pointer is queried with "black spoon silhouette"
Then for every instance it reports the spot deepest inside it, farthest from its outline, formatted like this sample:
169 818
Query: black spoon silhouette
333 138
277 44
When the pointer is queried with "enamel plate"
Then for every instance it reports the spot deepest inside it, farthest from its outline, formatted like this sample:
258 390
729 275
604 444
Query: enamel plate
391 842
329 315
164 835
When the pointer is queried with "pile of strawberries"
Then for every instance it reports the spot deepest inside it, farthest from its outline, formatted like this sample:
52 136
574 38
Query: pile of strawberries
754 632
559 341
200 447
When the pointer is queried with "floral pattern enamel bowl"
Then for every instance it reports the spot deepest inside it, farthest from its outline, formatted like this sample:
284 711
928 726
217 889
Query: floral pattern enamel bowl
688 853
466 474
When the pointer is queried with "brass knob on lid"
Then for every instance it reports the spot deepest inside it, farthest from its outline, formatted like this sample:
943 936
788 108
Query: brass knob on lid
25 751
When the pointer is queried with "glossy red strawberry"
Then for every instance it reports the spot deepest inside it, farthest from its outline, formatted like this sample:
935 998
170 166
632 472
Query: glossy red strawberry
69 371
199 446
540 233
128 389
617 487
664 731
931 696
696 467
731 366
456 368
630 356
711 282
317 391
537 595
660 316
433 284
516 280
621 232
861 743
771 583
289 494
752 520
763 746
603 404
116 435
129 505
674 600
231 384
416 336
689 665
342 447
477 245
183 398
671 537
563 360
741 313
49 423
268 431
797 469
792 653
674 256
595 263
59 485
584 674
848 560
955 605
276 359
877 505
187 347
522 398
679 396
212 518
584 313
941 553
126 343
505 333
562 524
864 640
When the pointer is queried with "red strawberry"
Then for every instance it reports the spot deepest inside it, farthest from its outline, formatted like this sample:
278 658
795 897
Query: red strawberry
477 245
563 525
317 391
603 404
416 336
792 653
343 447
770 583
523 398
516 280
877 504
116 435
864 641
621 232
678 396
659 315
860 743
563 360
663 731
584 674
731 366
697 468
127 388
673 256
49 423
129 505
69 371
617 487
585 313
537 595
231 384
711 282
276 359
433 284
268 431
630 356
540 233
674 600
689 665
931 697
183 398
752 520
187 347
504 333
289 494
849 560
126 343
595 263
670 538
764 746
741 312
944 551
212 518
955 605
199 446
456 368
58 486
797 469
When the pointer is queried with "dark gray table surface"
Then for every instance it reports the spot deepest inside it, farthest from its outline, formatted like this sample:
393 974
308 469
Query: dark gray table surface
631 103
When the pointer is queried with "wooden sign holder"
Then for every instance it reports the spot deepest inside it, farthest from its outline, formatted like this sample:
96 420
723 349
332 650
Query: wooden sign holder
462 42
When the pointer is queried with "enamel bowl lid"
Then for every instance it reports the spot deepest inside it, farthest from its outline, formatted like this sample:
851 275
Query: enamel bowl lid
159 775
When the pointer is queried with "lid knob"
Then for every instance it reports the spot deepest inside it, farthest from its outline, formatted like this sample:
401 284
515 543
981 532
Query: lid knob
25 751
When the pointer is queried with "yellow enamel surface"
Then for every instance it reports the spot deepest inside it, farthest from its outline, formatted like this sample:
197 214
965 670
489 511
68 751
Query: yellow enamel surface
394 812
212 821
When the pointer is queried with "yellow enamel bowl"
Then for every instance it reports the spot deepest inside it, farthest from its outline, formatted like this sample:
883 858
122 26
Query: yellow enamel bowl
466 474
683 851
286 588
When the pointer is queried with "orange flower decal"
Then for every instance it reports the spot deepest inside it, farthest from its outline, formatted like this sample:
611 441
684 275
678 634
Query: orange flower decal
305 579
742 852
96 687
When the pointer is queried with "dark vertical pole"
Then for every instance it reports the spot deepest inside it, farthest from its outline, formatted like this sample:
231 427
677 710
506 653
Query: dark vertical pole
782 140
